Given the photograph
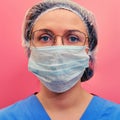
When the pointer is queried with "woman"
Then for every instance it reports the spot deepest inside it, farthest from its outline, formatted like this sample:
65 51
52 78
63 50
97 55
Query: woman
60 38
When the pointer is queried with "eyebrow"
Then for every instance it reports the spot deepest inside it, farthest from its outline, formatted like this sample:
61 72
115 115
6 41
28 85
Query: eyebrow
50 31
44 30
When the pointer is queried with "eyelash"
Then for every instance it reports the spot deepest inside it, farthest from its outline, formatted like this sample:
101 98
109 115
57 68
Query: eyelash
44 35
73 36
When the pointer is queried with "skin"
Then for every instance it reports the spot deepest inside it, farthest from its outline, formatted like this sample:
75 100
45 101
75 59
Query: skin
71 104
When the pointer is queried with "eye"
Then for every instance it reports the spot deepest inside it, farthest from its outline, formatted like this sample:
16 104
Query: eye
73 38
44 38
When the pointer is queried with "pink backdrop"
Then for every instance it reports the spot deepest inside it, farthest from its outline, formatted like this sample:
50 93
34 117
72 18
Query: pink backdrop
17 83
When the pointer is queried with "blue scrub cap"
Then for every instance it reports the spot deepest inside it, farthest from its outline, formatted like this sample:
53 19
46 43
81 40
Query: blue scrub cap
85 15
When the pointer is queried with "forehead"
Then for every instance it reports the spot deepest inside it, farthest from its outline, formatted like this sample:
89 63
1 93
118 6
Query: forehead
59 19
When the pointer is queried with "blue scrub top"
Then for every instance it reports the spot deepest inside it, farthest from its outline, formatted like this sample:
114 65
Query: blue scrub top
31 109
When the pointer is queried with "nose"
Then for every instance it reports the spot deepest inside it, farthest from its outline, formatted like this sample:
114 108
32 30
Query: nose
58 41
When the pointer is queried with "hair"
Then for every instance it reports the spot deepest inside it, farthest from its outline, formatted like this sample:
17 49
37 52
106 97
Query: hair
86 16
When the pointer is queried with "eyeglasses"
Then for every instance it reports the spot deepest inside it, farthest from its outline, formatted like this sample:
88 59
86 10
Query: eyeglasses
45 37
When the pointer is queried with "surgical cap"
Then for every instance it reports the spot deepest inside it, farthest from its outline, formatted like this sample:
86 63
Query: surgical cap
86 16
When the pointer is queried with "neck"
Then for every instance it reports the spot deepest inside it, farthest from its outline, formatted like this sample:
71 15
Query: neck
59 101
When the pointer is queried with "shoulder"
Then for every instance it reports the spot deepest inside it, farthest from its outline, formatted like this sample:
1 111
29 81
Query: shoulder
109 110
19 110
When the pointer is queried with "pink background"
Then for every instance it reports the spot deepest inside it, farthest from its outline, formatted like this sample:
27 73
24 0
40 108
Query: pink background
17 83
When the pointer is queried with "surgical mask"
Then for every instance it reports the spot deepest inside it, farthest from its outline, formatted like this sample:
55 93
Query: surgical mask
59 68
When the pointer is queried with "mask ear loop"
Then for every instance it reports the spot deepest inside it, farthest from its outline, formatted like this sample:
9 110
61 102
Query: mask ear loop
29 43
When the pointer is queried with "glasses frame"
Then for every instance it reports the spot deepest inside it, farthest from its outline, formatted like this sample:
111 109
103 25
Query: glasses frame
54 36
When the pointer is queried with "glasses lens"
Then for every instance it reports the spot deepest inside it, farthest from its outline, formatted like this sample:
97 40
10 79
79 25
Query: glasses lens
42 38
74 38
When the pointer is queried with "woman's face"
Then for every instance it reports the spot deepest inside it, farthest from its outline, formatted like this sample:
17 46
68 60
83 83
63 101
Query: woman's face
60 22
